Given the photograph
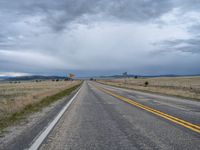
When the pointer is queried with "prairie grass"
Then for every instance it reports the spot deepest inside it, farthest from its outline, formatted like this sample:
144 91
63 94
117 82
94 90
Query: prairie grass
187 87
15 98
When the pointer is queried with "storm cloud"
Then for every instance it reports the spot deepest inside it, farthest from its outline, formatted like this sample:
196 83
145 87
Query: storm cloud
97 37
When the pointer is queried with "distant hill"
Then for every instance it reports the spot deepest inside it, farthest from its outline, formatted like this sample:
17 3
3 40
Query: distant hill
4 77
36 77
144 76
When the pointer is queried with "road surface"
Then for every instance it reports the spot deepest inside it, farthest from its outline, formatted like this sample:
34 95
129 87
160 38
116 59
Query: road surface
98 120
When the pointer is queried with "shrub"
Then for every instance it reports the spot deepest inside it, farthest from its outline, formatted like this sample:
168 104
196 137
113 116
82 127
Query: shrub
146 83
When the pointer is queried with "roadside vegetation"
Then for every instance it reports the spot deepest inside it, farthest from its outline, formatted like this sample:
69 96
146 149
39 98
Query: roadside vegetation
20 99
186 87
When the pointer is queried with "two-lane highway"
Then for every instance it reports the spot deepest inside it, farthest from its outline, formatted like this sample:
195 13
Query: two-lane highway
99 119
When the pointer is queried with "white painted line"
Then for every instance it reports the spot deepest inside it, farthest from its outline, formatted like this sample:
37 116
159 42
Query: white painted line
48 129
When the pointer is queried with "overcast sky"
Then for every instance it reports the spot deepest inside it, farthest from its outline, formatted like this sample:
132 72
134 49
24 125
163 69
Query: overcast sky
99 37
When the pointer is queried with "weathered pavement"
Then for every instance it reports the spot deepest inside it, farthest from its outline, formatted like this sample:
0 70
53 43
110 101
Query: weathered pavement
97 120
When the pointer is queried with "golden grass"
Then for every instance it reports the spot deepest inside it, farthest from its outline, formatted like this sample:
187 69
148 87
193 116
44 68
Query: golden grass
12 118
188 87
14 97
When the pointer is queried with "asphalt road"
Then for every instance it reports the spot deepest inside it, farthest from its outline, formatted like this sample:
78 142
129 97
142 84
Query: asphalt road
99 121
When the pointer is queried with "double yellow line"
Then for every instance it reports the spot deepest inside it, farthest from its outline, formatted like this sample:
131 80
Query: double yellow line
193 127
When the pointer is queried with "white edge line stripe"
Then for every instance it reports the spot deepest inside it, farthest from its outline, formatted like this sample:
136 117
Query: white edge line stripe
48 129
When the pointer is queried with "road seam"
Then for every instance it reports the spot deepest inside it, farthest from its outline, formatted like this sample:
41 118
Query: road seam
39 140
181 122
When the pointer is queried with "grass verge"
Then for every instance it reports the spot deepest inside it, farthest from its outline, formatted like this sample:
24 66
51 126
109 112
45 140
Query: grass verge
152 92
13 118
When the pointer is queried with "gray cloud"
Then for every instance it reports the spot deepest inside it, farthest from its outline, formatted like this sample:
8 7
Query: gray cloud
188 5
98 35
58 13
191 45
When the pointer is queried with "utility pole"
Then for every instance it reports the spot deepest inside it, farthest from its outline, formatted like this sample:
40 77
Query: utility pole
125 75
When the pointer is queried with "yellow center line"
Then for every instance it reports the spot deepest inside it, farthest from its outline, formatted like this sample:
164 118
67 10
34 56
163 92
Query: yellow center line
181 122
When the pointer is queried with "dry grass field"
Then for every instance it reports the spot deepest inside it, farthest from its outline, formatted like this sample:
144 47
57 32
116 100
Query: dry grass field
188 87
15 96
